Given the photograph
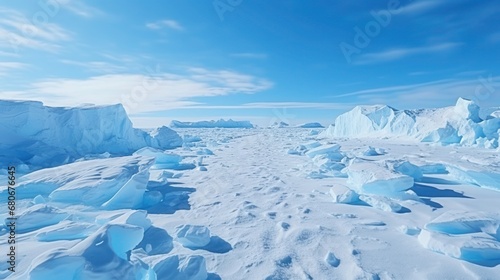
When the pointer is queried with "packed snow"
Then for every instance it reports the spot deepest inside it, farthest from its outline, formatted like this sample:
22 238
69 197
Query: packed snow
212 124
393 195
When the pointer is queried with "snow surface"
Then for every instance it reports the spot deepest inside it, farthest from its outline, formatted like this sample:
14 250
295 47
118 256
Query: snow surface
212 124
265 204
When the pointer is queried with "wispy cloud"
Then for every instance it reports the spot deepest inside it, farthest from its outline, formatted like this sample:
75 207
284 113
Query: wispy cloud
80 8
483 89
273 105
398 53
147 92
6 67
250 55
419 6
16 32
166 23
97 66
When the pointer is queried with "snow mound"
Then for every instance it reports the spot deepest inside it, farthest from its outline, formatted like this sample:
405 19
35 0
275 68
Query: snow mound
311 125
212 124
459 124
43 136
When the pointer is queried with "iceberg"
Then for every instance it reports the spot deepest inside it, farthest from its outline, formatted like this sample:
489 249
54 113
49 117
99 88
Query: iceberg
42 136
311 125
458 124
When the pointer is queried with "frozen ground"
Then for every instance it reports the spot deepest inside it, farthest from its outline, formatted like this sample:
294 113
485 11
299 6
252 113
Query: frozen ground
237 204
258 203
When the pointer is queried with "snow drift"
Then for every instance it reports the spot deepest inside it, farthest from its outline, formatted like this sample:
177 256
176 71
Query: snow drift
43 136
212 124
459 124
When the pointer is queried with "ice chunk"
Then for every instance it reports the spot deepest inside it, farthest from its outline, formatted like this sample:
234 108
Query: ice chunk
342 194
67 231
131 194
205 151
460 222
475 175
475 249
407 168
331 259
331 150
38 216
371 151
372 178
193 236
92 257
312 144
163 160
175 267
156 241
165 138
279 125
381 202
39 200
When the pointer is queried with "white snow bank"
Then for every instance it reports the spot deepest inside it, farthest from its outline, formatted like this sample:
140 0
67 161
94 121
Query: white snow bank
212 124
43 136
459 124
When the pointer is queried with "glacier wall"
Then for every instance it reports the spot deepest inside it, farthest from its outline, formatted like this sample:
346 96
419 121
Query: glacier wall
43 136
459 124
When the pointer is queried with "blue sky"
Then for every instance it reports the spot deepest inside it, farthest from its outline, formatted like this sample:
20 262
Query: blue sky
258 60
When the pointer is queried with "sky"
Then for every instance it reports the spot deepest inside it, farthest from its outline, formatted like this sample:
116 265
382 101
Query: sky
258 60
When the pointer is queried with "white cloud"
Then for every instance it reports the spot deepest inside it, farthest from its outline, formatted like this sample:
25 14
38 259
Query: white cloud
97 66
274 105
17 31
398 53
419 6
154 91
80 8
6 67
484 89
166 23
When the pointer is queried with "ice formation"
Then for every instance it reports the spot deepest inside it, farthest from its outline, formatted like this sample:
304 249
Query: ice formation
459 124
43 136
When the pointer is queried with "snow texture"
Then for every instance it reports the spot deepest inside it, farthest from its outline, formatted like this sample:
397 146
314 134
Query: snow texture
212 124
